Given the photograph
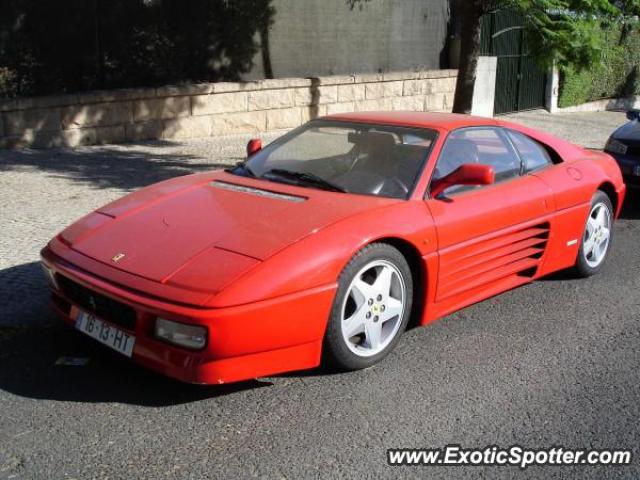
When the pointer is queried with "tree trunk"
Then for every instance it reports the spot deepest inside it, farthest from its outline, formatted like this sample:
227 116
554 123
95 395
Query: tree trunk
266 51
471 14
98 45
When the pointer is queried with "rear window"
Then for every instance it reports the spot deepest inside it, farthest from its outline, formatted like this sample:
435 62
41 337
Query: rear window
534 155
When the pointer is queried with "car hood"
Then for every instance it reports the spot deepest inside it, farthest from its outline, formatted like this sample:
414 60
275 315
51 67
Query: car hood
206 229
629 132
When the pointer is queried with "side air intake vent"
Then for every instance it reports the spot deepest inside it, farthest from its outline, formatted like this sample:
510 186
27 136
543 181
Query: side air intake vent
517 253
256 191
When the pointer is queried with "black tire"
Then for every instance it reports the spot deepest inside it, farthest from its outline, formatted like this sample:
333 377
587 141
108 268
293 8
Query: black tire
582 268
335 350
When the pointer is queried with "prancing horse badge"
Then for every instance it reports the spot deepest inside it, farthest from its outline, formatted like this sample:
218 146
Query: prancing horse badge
116 258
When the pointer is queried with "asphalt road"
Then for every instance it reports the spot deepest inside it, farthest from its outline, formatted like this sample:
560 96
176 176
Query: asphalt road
552 363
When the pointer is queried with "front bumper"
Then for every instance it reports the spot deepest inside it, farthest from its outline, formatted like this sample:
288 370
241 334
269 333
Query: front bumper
247 341
630 167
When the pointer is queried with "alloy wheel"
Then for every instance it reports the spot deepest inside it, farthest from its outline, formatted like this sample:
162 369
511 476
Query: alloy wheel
373 309
597 235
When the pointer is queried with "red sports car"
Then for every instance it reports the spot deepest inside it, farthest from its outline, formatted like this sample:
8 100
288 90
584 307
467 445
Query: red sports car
330 241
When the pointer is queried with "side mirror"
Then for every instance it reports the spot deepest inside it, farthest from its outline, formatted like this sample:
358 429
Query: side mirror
254 146
467 174
633 115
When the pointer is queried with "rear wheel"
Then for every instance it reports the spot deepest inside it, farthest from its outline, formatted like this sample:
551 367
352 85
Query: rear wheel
597 236
371 309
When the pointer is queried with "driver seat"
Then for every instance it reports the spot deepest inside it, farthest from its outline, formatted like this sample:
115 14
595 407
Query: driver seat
376 153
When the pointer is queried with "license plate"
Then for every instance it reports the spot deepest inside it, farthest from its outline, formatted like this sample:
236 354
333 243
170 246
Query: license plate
106 334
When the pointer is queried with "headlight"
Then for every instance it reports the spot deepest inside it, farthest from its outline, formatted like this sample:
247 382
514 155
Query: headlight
188 336
51 276
615 146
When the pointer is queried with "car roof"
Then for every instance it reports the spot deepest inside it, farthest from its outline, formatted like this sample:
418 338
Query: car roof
453 121
443 121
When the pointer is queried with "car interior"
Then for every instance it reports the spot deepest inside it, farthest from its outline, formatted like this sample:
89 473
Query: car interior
477 146
381 161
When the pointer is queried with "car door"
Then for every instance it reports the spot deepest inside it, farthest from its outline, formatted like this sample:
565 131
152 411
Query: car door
490 238
571 188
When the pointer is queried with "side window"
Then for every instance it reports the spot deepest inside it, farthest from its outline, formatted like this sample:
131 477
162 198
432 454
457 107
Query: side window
478 145
534 155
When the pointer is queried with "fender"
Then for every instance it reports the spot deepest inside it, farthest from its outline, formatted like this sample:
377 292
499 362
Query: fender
318 259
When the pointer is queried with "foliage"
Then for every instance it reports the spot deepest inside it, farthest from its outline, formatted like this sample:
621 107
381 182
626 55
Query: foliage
564 32
558 32
628 8
8 82
58 46
614 74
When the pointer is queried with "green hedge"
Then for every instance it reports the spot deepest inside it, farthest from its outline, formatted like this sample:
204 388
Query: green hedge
616 75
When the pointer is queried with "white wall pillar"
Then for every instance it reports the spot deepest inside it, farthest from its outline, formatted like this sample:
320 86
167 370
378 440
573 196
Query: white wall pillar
553 90
484 92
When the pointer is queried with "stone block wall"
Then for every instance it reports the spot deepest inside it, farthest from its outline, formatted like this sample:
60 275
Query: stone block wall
213 109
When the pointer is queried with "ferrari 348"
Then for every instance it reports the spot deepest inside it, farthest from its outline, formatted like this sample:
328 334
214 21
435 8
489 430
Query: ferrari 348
330 241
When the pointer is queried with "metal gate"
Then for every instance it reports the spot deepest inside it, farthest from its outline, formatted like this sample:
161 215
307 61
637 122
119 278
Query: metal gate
520 83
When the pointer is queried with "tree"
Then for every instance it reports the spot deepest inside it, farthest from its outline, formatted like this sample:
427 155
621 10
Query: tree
561 32
630 11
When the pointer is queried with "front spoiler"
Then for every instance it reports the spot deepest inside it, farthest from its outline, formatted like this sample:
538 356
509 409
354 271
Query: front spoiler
248 341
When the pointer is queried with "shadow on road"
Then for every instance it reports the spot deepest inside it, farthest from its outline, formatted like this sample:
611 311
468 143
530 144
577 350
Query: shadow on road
28 369
24 299
32 338
124 167
631 207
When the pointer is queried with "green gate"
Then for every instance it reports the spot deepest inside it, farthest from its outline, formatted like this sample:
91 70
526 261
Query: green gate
520 83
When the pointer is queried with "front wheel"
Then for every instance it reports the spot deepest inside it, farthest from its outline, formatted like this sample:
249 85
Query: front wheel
596 240
371 309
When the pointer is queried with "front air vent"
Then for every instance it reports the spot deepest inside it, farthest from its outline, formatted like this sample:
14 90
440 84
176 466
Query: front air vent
256 191
100 305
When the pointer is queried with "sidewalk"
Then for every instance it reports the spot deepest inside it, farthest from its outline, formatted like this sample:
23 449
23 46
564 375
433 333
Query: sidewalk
588 129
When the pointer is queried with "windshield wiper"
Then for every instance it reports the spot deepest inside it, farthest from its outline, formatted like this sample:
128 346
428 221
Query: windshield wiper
242 166
304 178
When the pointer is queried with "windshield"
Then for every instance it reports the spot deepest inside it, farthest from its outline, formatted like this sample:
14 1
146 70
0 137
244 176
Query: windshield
348 157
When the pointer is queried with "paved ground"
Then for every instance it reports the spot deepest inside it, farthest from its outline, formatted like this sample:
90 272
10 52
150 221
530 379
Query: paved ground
590 130
556 362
